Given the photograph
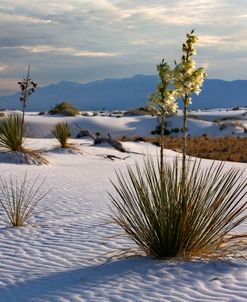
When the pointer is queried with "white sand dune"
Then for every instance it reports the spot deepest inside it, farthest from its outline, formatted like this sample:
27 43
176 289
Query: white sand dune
40 126
64 254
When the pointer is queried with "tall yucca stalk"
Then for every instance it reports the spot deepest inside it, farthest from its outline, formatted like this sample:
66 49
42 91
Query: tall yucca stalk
19 198
163 102
187 80
173 217
12 133
62 133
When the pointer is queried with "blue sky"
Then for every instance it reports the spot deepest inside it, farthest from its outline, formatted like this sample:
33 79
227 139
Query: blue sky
85 40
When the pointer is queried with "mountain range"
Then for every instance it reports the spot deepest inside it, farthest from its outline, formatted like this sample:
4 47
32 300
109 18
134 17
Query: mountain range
125 93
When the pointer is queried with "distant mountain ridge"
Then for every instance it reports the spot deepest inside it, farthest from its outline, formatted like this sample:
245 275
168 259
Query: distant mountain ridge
125 93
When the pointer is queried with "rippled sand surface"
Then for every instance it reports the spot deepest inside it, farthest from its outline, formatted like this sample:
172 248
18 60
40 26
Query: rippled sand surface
65 253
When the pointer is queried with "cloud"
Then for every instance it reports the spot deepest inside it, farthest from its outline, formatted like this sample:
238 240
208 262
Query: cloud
24 19
58 50
115 38
207 41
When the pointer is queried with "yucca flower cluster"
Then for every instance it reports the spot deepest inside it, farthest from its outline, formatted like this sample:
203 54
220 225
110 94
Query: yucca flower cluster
163 100
185 79
188 79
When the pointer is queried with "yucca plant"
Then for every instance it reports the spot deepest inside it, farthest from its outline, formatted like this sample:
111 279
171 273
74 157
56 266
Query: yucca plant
173 210
12 130
19 198
167 217
62 133
12 133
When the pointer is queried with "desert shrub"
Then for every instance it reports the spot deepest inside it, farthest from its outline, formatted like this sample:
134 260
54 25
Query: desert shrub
138 111
2 114
19 198
175 130
123 138
223 126
41 113
157 130
167 216
138 139
12 133
62 133
64 108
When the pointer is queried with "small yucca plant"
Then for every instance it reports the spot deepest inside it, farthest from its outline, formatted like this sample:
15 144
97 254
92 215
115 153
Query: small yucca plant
12 130
62 133
170 216
19 198
12 133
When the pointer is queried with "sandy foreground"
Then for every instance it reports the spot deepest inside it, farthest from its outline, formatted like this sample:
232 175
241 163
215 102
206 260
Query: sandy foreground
66 253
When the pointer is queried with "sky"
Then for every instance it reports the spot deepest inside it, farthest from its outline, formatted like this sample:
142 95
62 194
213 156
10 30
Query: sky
86 40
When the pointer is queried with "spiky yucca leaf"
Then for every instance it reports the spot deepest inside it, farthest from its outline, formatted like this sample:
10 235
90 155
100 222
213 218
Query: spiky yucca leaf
19 198
12 133
168 218
62 133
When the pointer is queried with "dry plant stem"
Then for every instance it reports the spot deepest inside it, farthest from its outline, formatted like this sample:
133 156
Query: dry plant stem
162 143
25 98
184 147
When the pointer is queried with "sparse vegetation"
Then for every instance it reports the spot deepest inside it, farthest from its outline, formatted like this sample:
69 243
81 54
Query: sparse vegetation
228 148
19 198
64 108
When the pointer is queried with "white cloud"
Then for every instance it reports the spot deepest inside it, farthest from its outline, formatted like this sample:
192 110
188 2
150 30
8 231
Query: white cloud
3 67
126 36
24 19
205 41
62 50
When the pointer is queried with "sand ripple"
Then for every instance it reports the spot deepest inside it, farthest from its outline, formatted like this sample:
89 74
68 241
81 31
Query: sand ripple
64 255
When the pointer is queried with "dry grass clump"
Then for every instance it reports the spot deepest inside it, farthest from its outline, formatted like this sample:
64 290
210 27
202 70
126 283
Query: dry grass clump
170 217
19 198
226 148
